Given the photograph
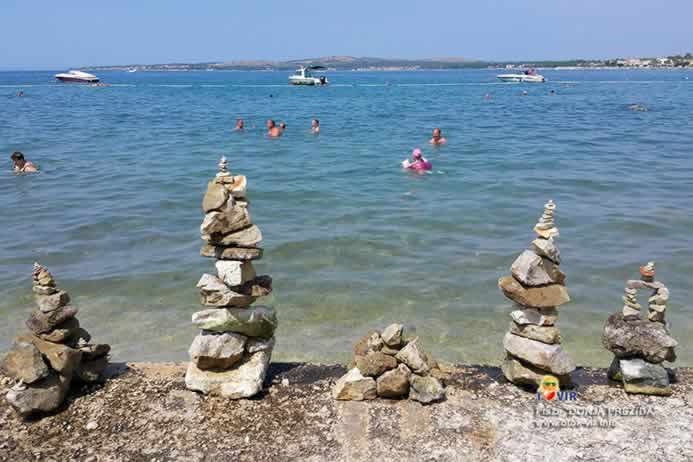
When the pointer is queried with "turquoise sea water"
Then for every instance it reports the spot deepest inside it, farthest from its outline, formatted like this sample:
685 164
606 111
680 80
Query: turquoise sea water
351 241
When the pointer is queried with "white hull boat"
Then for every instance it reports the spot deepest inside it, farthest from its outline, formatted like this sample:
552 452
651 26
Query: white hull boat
77 77
521 78
304 76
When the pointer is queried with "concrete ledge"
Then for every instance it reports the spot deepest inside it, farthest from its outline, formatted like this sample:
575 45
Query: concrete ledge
144 413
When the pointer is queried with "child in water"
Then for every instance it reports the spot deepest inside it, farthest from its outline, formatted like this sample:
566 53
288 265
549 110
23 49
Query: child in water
21 165
418 161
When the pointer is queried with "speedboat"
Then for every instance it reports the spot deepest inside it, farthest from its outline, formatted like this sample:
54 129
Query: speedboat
132 69
77 77
527 77
304 76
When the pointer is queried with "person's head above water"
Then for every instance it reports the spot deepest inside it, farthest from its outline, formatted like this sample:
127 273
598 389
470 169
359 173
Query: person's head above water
416 154
282 125
437 137
315 126
21 164
270 123
240 123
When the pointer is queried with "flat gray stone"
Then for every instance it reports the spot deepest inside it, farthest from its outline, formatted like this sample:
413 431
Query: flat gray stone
538 297
230 218
247 237
545 334
43 323
521 373
547 357
256 321
642 377
230 253
235 273
220 351
242 381
534 316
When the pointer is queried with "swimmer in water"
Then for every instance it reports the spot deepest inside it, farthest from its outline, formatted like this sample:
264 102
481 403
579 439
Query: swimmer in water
21 93
418 162
272 130
240 125
21 165
524 93
438 137
282 126
315 126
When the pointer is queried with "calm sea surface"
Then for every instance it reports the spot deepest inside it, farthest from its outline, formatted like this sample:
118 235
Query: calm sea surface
351 241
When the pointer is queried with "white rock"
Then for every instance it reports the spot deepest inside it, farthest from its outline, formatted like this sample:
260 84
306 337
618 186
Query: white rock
235 273
243 381
217 350
413 356
392 335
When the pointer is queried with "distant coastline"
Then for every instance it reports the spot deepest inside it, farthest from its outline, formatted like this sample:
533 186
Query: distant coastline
350 63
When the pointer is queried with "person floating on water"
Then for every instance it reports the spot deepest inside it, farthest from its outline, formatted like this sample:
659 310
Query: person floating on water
272 130
21 165
315 126
240 125
418 162
438 137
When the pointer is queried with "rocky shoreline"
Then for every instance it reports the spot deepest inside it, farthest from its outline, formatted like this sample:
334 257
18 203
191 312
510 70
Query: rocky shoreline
144 412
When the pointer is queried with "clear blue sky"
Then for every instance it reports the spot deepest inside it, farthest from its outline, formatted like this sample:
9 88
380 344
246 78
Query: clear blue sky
50 34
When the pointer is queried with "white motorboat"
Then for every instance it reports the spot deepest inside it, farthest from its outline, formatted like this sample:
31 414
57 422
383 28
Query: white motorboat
132 69
529 76
77 77
304 76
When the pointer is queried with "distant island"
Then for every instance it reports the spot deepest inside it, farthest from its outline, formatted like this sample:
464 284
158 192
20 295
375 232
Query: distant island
350 63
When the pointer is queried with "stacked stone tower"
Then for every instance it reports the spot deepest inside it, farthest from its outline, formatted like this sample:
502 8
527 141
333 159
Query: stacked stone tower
231 355
641 346
537 285
53 354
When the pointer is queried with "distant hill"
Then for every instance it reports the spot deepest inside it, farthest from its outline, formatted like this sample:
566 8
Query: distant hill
331 62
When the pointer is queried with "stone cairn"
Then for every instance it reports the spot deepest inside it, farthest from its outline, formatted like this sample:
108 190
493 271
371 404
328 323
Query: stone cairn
386 365
533 344
640 346
54 352
231 355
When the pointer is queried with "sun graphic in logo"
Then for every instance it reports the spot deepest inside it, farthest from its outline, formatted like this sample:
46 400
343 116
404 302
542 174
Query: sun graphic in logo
549 387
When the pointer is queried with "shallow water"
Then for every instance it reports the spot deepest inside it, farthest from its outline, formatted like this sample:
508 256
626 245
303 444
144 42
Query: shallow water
351 241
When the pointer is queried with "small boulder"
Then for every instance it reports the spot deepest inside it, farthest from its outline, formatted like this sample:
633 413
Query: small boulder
638 338
213 292
217 350
375 363
61 358
545 334
43 323
247 237
642 377
235 273
215 197
242 381
547 248
521 373
63 332
538 297
354 387
392 335
425 389
534 316
255 321
45 395
230 253
394 383
529 270
414 357
24 362
47 303
92 370
550 358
